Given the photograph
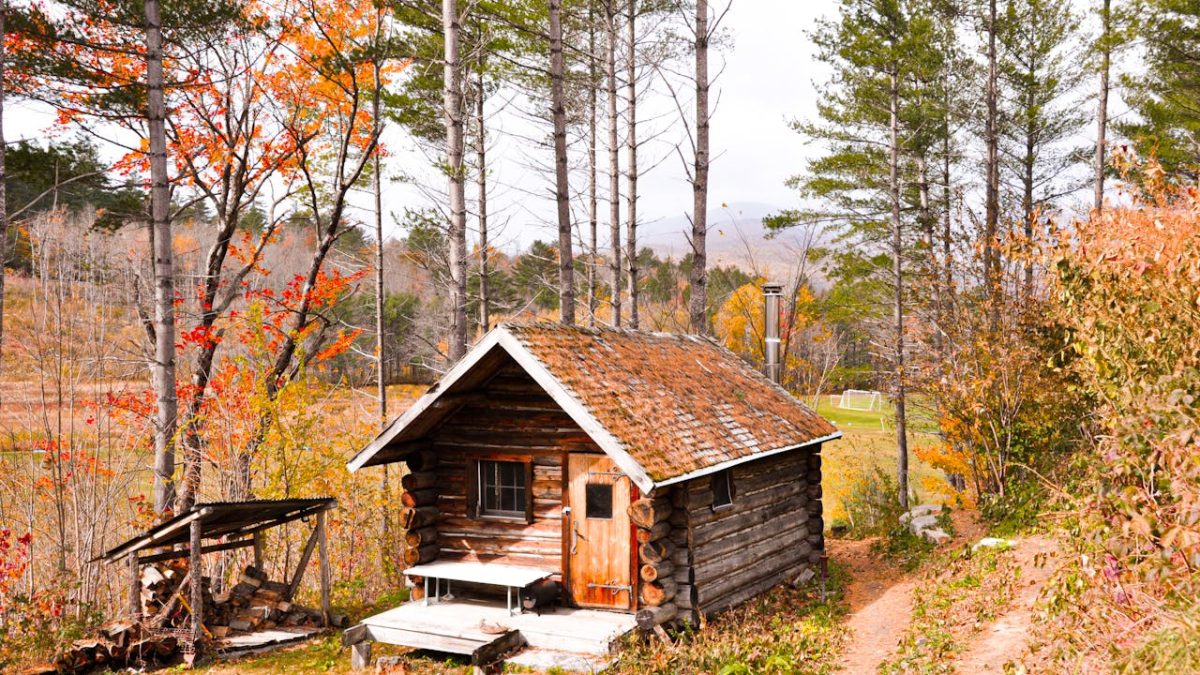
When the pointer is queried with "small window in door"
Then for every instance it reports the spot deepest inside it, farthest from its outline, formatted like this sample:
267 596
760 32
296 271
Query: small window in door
722 487
599 497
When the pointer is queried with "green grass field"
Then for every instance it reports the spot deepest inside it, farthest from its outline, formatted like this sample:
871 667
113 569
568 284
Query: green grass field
868 444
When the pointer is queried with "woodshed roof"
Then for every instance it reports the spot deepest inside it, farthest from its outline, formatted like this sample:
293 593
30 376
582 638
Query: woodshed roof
665 407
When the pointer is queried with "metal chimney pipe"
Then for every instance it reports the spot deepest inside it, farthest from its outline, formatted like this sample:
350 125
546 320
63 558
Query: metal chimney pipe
772 294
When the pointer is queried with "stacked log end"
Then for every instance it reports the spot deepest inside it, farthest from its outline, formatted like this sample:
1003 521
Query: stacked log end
419 514
816 523
253 603
657 554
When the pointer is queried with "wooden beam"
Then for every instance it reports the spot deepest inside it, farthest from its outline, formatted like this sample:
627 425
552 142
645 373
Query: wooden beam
213 548
323 561
294 585
135 588
258 551
197 608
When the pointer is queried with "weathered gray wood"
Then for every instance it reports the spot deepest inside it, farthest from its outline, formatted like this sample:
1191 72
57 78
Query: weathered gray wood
135 588
494 650
682 574
419 480
681 557
415 498
743 516
683 597
738 594
748 532
196 573
258 550
323 561
649 617
355 634
655 571
360 655
184 553
653 534
710 563
658 592
305 556
778 567
792 491
697 498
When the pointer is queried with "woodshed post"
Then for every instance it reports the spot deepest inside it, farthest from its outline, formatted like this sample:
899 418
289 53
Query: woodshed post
323 561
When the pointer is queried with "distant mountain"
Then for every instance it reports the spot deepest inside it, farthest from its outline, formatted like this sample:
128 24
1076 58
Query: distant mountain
736 236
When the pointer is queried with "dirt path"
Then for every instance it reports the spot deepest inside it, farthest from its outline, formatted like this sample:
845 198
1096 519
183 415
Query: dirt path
880 598
1007 638
880 601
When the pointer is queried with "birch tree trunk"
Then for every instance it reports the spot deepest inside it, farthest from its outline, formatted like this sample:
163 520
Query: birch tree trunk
898 300
698 303
485 300
163 371
614 160
452 117
562 194
631 255
593 213
1102 112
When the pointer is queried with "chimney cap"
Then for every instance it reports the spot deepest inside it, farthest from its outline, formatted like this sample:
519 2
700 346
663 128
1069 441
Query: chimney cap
772 288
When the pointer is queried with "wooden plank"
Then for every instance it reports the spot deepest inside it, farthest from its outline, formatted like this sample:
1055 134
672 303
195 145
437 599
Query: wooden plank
408 638
184 553
196 572
488 654
323 561
298 576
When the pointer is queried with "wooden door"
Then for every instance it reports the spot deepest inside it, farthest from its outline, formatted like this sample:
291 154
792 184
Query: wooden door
598 533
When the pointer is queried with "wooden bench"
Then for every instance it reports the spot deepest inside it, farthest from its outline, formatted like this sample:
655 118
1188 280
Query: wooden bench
494 574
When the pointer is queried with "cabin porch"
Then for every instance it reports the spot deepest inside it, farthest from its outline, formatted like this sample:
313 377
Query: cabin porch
486 631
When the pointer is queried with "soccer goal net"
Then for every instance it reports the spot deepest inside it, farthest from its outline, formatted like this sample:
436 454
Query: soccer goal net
859 399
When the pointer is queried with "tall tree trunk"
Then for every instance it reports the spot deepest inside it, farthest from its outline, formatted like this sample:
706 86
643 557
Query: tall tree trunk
1102 112
485 297
614 160
164 267
593 213
562 191
1027 205
452 117
898 301
991 252
385 520
698 304
631 256
3 177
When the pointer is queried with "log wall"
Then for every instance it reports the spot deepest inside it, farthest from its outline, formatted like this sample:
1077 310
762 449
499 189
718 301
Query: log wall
770 533
512 416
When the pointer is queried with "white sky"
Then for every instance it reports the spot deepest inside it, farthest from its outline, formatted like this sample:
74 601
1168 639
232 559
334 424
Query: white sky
767 80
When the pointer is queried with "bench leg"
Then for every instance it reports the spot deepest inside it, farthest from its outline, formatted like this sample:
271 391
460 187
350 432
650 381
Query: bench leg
360 655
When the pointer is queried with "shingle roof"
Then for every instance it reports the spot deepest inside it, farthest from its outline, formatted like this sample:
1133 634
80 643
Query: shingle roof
678 403
664 406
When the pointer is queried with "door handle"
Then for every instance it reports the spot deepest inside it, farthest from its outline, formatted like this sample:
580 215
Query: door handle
575 536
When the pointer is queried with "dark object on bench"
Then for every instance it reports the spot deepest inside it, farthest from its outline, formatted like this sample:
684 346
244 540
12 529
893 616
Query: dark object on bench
541 595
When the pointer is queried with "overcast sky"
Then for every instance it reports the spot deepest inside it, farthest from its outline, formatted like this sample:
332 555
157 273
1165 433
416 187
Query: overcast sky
766 81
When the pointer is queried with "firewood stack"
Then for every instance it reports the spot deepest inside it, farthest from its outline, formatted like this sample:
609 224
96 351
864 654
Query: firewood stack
658 587
420 514
254 603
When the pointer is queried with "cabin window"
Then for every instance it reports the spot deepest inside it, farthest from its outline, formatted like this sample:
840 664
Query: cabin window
502 489
599 498
722 488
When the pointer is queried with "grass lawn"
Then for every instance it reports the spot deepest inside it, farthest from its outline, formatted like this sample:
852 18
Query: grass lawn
868 443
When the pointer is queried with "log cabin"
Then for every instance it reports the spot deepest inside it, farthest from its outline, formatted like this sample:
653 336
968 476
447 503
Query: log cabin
656 477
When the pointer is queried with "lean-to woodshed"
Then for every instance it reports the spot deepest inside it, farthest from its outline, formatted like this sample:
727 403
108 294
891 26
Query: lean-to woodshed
647 473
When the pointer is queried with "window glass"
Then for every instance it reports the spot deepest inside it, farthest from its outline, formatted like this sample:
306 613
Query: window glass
599 500
502 488
722 487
